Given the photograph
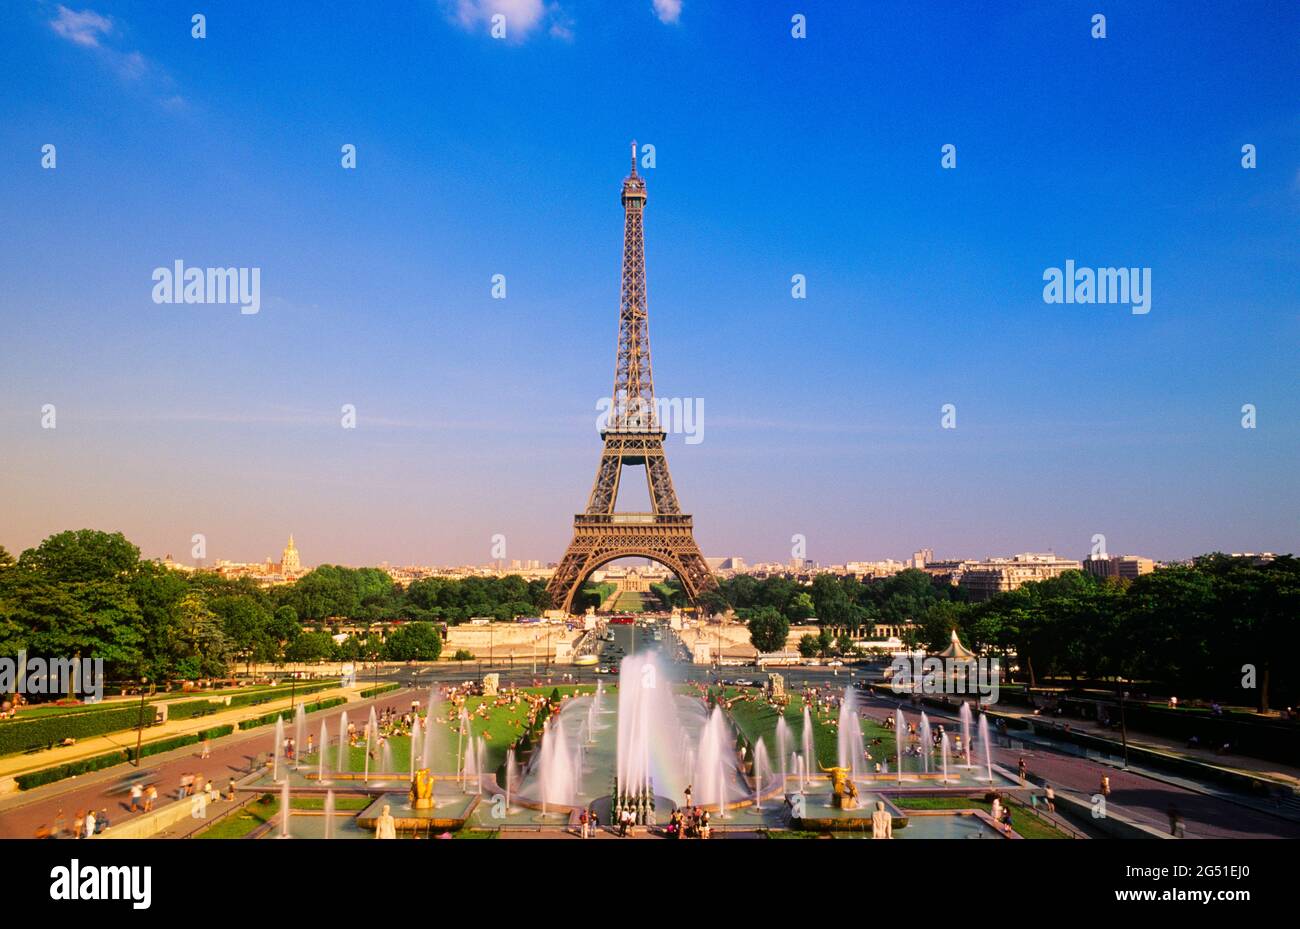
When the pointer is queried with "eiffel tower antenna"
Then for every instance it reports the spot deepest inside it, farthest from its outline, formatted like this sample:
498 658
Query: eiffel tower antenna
632 436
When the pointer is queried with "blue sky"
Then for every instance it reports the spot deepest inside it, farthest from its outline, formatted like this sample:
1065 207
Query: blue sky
775 156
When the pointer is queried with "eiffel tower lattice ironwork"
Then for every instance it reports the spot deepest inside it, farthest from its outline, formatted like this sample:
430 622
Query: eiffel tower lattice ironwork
632 436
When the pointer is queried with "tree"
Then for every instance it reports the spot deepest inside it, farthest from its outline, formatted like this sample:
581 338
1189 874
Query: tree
413 642
808 646
768 629
82 555
202 647
310 646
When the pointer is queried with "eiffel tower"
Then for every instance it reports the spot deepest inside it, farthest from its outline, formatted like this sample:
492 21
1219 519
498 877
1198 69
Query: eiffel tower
632 436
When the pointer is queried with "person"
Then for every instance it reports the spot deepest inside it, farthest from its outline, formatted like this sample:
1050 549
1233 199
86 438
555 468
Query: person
704 825
582 821
1049 799
79 825
101 821
1176 827
996 810
207 749
595 822
882 824
386 826
230 790
90 824
150 797
1024 770
688 795
1105 785
137 793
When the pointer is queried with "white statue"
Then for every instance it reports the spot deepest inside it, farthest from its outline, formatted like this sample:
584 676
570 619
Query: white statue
386 827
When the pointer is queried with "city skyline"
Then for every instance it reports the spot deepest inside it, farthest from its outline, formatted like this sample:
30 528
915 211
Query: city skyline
476 417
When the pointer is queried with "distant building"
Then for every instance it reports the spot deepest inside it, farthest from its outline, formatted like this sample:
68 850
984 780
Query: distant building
290 563
1128 567
985 579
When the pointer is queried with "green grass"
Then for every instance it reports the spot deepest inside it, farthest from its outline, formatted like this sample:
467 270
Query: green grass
176 696
758 719
502 727
1022 821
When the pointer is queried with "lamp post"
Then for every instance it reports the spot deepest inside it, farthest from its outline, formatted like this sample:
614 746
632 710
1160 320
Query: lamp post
1123 725
139 729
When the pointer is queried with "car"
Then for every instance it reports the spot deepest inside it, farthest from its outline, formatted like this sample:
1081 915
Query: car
743 682
835 664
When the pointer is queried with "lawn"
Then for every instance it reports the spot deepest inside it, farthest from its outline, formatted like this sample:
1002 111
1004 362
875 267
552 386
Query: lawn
238 825
756 718
501 728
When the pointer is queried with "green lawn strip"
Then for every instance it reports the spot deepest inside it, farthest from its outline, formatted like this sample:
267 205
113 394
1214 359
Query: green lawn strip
502 727
758 718
1022 821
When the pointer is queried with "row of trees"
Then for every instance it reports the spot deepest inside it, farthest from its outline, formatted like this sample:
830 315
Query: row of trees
88 593
1210 628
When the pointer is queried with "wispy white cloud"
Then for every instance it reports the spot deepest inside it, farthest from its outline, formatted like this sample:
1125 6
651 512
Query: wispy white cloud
84 27
522 18
93 31
668 11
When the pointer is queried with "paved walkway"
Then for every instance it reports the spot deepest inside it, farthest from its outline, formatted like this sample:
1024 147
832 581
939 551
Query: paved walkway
1242 764
232 756
1207 813
12 765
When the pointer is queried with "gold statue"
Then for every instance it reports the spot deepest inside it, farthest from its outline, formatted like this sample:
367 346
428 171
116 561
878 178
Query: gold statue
422 790
846 793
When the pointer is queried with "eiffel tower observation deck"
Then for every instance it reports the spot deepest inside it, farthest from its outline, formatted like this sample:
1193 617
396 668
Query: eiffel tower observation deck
632 437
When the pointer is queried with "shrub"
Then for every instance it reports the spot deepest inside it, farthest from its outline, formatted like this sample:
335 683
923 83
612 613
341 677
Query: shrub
22 735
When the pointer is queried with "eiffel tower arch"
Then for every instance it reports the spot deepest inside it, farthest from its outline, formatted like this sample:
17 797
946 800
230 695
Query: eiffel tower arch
632 437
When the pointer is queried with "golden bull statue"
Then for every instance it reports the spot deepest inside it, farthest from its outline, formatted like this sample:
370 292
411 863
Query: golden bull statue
846 793
422 790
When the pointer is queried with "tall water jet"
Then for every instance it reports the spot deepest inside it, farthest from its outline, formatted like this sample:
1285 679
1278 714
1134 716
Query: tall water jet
329 814
279 749
762 770
462 732
964 714
783 748
284 809
943 747
851 750
414 748
366 751
344 747
299 733
386 757
428 740
900 733
510 775
809 755
320 753
471 764
984 741
927 744
555 770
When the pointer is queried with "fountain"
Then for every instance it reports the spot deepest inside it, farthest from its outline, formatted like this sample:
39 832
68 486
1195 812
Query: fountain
783 748
279 749
329 814
900 732
964 713
344 748
320 753
510 775
429 740
851 751
711 766
299 733
984 741
927 744
762 770
471 766
943 744
809 756
555 768
284 809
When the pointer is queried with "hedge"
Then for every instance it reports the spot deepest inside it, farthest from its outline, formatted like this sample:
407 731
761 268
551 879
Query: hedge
180 741
376 691
270 718
22 735
189 709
